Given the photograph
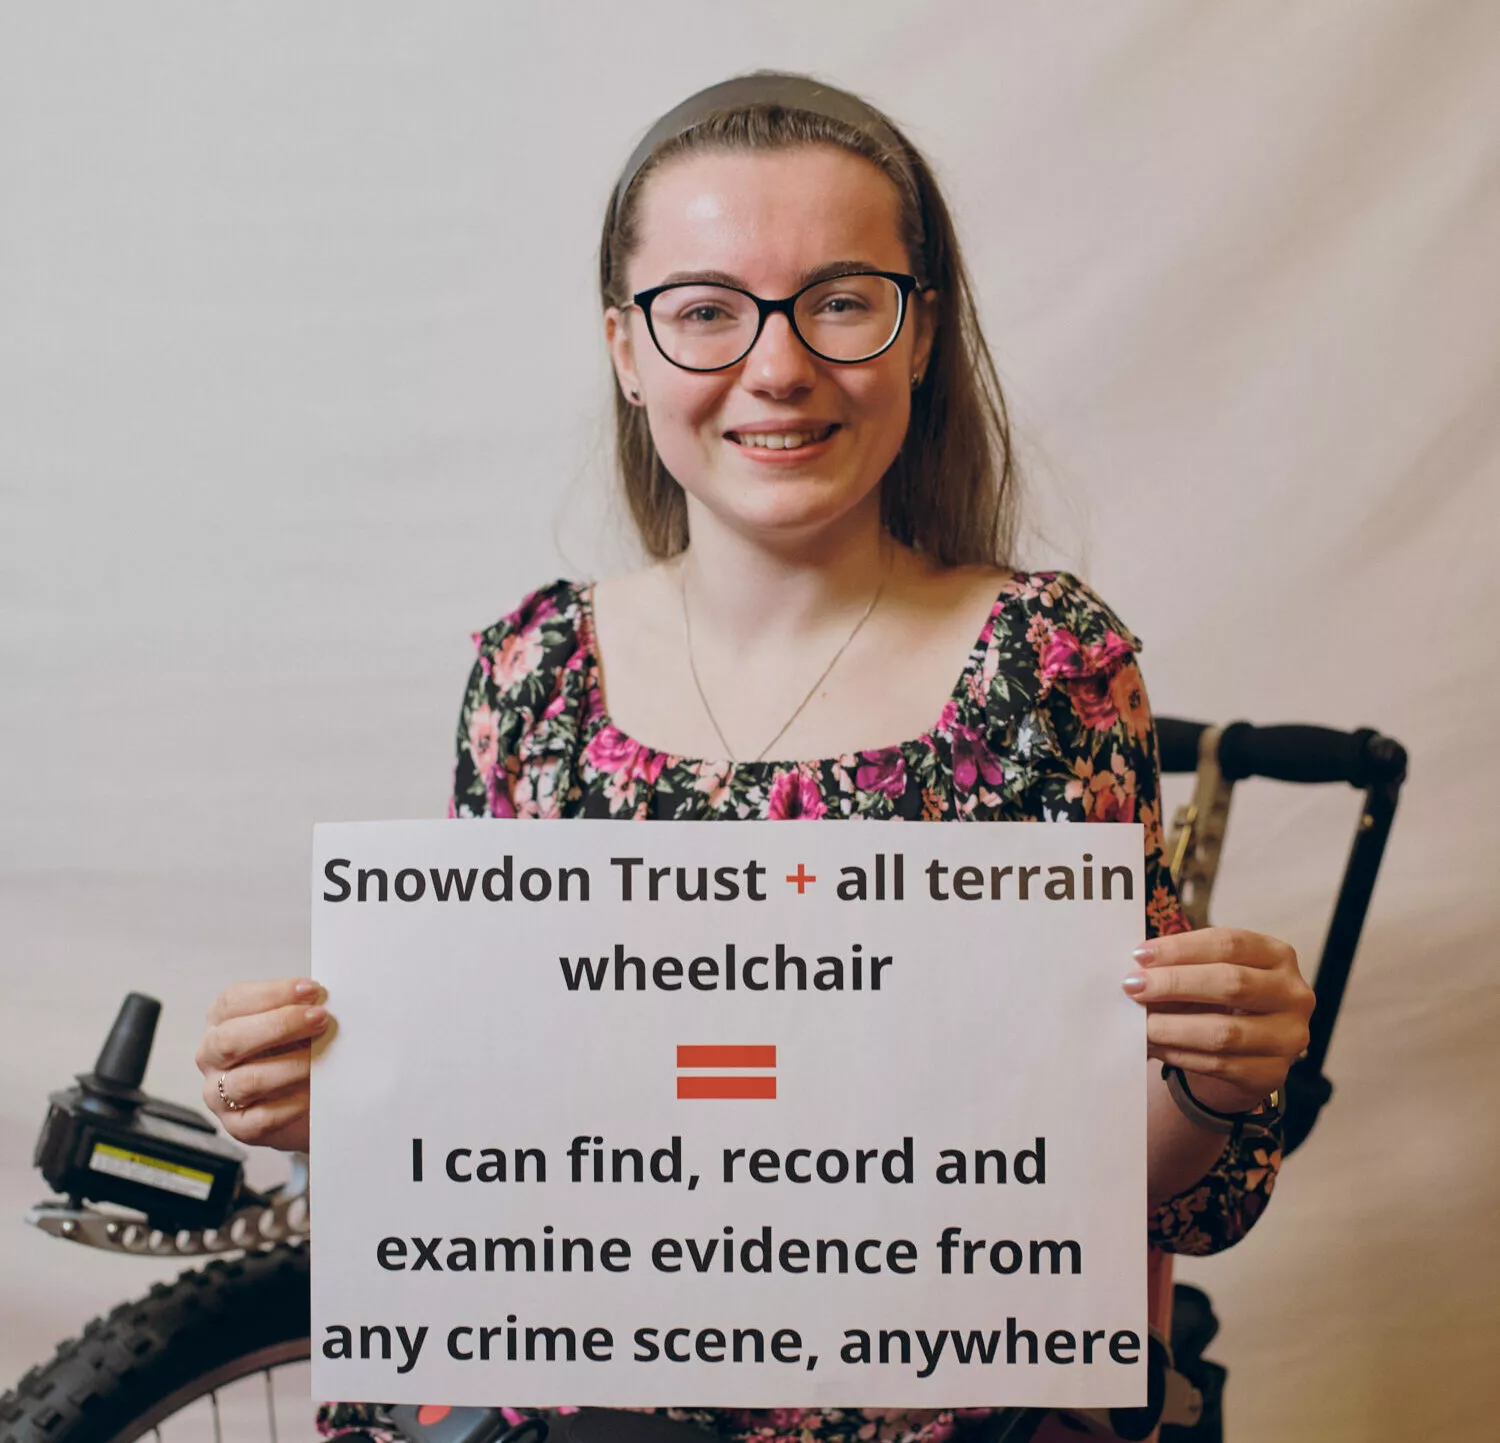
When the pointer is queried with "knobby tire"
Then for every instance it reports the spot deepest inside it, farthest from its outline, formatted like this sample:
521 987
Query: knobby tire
147 1359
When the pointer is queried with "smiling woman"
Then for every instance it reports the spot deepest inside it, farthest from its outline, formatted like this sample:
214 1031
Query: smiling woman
815 453
775 183
828 362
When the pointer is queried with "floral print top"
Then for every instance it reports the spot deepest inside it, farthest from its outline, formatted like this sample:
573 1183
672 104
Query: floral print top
1047 721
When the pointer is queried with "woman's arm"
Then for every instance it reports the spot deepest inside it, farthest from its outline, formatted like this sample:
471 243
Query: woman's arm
1229 1007
1178 1152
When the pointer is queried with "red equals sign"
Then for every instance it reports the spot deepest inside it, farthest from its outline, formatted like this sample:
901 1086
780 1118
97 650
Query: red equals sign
721 1085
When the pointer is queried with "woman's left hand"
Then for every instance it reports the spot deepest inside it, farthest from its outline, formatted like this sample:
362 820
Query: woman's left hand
1228 1006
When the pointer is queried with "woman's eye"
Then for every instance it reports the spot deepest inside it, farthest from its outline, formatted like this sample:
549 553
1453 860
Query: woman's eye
702 315
842 305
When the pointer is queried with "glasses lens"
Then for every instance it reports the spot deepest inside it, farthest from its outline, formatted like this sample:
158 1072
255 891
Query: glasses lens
703 327
850 317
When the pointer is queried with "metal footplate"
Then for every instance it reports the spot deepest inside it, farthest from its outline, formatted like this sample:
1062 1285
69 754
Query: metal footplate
281 1215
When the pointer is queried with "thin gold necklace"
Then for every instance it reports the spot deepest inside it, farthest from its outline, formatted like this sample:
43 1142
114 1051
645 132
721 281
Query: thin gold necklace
687 630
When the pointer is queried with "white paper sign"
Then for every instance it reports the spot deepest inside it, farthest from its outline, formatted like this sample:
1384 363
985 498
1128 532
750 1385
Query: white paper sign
730 1114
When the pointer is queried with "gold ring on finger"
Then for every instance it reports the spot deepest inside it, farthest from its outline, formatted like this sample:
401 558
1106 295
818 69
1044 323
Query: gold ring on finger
230 1105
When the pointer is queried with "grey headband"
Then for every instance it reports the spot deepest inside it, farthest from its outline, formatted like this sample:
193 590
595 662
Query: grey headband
764 87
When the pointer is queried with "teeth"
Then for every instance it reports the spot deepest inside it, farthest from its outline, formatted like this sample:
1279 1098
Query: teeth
781 440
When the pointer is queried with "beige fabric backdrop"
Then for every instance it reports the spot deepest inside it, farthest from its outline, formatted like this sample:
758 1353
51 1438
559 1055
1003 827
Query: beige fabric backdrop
300 384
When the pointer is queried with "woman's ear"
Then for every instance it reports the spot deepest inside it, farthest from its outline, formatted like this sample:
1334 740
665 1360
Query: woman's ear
622 353
926 318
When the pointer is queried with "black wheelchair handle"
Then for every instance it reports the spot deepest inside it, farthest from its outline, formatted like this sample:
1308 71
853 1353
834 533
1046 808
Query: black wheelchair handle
1178 740
1361 758
1290 753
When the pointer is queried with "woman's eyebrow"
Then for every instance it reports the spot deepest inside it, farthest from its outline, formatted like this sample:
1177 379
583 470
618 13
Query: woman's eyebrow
807 278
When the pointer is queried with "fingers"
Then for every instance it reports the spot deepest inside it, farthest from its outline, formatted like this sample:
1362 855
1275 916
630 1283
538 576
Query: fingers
258 1049
229 1043
257 1082
1221 984
276 1122
244 998
1224 1004
1280 1035
1254 1077
1221 967
1223 945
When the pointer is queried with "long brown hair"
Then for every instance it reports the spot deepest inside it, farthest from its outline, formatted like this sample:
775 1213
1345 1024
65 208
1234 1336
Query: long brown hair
952 492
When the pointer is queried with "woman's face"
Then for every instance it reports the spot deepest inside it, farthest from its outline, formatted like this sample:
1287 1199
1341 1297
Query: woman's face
769 222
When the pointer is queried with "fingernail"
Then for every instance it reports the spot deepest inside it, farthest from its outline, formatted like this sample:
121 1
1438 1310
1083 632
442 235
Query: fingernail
315 1015
306 988
1134 983
1145 954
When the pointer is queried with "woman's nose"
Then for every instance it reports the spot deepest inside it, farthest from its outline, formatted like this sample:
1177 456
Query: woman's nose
779 364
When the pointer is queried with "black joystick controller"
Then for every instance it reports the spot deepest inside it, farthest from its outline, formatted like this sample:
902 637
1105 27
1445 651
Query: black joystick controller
108 1141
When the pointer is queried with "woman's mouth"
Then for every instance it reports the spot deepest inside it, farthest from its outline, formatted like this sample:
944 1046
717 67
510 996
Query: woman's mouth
780 440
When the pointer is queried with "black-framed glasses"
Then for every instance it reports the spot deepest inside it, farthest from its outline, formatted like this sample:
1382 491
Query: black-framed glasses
701 326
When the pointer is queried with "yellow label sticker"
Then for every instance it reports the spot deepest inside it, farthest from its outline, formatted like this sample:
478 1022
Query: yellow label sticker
150 1171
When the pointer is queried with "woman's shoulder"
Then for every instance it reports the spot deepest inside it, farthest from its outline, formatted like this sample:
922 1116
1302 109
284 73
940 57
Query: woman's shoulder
524 657
1060 604
558 606
1058 653
527 688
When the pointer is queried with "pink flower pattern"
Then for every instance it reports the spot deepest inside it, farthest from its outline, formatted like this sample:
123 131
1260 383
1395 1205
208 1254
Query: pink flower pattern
1085 672
972 759
882 771
794 794
484 740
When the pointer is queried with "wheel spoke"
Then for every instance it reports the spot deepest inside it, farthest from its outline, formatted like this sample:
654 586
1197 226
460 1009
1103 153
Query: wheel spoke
270 1404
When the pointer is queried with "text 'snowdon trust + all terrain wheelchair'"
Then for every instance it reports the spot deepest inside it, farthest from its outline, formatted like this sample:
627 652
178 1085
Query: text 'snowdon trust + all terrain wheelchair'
221 1351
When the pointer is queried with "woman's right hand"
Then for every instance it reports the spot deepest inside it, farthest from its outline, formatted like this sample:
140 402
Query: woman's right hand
256 1059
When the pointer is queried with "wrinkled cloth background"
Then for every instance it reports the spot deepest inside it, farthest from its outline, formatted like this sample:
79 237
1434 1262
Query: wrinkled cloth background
301 383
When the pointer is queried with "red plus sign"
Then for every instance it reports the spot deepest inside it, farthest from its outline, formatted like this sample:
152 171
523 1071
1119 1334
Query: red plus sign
801 879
